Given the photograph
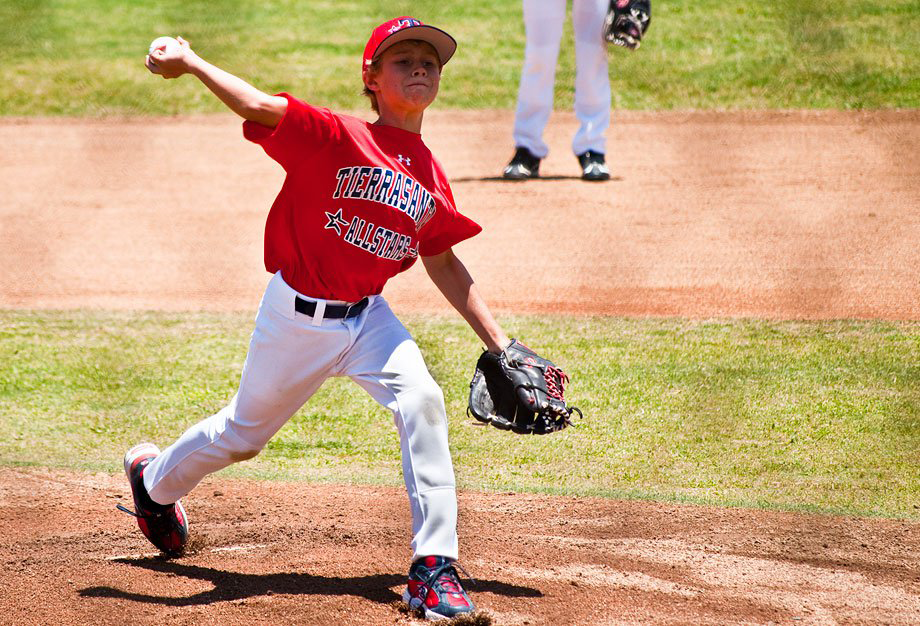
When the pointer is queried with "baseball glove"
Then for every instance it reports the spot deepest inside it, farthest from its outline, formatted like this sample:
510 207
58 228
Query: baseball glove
627 21
520 391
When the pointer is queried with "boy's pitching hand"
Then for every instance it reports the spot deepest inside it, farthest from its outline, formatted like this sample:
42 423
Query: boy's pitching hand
168 57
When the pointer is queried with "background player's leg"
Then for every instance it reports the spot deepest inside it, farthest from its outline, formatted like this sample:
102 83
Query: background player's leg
386 362
288 360
543 21
592 82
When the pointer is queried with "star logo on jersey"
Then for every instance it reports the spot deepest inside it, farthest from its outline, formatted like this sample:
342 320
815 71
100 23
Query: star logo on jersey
404 160
336 222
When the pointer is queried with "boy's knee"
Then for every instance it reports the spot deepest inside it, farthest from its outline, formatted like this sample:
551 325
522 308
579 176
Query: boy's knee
426 401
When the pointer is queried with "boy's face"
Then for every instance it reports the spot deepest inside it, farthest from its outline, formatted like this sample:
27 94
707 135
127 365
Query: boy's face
408 79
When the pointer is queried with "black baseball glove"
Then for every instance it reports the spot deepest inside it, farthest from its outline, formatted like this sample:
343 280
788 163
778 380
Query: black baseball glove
627 21
520 391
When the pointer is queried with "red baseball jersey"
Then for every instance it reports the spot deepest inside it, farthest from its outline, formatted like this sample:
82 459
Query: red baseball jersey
359 203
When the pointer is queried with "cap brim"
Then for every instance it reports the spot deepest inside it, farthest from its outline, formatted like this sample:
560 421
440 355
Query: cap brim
444 44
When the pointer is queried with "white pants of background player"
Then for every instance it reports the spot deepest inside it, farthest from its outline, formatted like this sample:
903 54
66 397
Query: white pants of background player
543 21
290 356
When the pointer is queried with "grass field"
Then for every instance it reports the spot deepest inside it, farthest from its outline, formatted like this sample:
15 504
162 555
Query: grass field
818 416
84 57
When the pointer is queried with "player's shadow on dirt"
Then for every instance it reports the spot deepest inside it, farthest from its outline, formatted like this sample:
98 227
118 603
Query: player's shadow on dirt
236 585
501 179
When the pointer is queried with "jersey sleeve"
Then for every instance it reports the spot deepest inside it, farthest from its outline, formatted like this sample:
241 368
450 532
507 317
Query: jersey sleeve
302 131
448 226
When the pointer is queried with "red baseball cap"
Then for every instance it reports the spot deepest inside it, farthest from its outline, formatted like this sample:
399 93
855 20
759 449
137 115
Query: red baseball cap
403 28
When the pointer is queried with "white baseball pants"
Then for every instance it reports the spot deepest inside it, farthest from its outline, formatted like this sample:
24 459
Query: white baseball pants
543 21
290 356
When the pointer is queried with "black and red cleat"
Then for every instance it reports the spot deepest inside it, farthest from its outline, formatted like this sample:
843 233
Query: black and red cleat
165 525
435 589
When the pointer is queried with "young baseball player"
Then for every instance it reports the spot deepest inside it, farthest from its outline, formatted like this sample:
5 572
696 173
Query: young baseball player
360 203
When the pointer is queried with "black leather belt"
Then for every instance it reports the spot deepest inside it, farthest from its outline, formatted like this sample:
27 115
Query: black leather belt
333 311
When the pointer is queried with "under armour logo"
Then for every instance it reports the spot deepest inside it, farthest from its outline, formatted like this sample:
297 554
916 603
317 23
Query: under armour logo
335 221
404 159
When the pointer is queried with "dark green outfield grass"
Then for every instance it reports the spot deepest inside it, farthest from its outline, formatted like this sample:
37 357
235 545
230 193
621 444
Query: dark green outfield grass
84 57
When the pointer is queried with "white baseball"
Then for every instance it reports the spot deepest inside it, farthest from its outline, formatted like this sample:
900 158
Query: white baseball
167 44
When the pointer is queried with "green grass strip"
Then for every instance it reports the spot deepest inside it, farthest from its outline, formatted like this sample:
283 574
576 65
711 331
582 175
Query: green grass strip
84 57
801 416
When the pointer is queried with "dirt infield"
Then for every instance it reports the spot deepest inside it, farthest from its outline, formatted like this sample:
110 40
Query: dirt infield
804 215
266 553
781 215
